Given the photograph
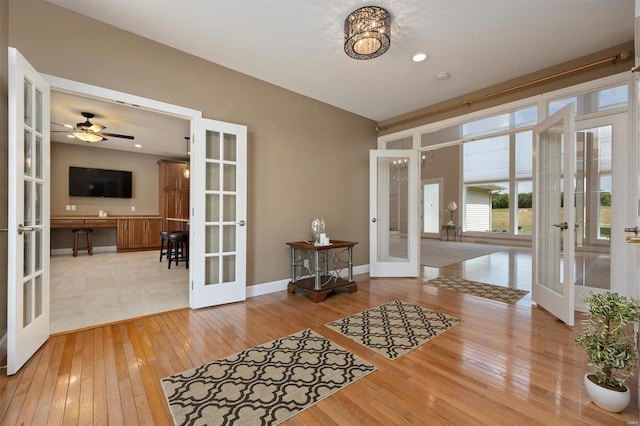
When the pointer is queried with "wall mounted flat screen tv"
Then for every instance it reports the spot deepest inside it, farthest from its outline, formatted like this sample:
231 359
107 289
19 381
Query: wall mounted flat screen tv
86 182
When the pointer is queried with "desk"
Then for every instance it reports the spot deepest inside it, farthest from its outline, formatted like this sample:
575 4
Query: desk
457 232
315 269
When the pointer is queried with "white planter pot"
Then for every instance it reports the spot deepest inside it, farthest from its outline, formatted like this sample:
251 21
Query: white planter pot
605 398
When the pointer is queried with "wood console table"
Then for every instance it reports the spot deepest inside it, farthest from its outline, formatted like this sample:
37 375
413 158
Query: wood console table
321 265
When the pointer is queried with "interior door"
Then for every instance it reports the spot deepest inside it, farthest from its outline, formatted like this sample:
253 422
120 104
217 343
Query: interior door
394 228
554 217
28 212
218 231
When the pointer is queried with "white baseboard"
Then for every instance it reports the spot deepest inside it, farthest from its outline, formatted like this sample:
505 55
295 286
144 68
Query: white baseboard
100 249
280 285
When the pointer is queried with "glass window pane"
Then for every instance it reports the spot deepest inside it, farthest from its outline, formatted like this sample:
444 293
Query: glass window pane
229 208
28 90
486 160
613 98
38 111
212 209
38 250
38 302
27 153
487 207
404 143
228 269
26 220
27 299
486 125
555 106
449 134
213 145
229 177
39 203
229 147
27 258
212 239
229 238
524 217
213 176
212 270
39 157
524 155
526 117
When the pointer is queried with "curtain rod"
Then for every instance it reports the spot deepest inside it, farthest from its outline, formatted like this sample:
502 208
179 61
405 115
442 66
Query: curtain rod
613 59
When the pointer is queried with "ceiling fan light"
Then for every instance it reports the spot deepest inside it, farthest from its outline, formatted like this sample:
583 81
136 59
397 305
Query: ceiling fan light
96 127
88 136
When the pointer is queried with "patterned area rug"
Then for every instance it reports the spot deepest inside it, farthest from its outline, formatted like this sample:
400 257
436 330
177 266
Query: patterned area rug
488 291
264 385
395 328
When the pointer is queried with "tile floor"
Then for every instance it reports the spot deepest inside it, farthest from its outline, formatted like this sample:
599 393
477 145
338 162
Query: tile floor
90 290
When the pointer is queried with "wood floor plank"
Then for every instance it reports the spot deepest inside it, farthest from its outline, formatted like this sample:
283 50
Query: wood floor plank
504 364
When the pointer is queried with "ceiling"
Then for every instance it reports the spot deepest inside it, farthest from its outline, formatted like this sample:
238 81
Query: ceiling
298 44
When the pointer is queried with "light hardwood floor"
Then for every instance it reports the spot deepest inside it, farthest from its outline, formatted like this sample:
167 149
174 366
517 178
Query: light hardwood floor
505 364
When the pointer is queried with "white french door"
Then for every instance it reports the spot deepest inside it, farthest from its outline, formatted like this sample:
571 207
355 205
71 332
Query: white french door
394 228
28 212
553 214
218 231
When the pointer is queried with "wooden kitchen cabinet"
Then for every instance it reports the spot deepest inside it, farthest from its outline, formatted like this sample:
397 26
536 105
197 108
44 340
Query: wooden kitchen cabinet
174 193
139 234
172 175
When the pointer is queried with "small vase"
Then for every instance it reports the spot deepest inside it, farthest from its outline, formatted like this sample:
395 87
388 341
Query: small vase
607 399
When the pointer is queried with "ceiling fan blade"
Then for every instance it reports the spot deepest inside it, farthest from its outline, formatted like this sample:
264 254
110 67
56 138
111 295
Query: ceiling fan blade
57 124
115 135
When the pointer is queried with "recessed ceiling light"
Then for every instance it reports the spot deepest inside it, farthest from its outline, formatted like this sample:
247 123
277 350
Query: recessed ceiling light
419 57
442 75
138 145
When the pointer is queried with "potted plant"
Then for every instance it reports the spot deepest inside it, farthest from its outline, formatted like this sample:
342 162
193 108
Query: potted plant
608 341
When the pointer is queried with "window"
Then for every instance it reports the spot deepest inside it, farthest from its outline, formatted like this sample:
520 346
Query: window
589 103
492 178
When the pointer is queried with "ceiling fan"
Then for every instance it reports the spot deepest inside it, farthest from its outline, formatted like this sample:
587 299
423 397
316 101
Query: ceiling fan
90 132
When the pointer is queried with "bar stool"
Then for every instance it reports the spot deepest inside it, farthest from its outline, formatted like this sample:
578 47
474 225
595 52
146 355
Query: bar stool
178 248
164 236
89 247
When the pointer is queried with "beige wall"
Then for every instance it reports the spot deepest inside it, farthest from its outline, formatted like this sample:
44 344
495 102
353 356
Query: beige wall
145 194
145 171
4 136
306 159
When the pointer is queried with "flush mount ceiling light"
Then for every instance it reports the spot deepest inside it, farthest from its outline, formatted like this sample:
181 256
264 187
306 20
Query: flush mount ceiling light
367 32
87 136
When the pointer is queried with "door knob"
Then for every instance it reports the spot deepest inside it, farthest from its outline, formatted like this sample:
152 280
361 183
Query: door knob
635 230
241 223
563 225
373 220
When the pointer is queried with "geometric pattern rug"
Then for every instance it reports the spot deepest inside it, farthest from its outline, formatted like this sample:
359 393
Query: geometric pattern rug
395 328
264 385
488 291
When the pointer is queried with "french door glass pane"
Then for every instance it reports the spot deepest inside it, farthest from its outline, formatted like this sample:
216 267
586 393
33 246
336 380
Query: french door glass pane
213 145
26 220
229 147
212 239
229 238
212 210
229 177
39 114
28 90
27 299
38 250
229 208
27 257
228 268
39 157
393 190
212 270
28 160
213 176
38 302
